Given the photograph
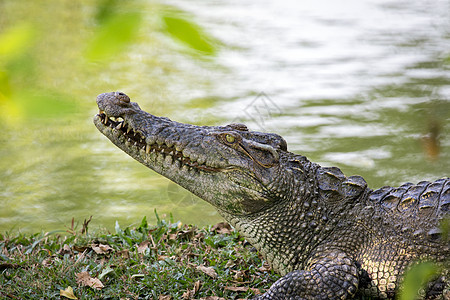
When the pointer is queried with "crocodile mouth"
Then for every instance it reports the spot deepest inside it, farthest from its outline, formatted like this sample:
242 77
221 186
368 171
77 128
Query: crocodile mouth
134 138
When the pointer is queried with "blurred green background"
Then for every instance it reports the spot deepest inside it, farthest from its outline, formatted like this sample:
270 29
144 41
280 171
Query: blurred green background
365 87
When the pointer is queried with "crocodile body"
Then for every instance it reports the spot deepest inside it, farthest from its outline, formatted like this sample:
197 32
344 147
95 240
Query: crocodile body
328 235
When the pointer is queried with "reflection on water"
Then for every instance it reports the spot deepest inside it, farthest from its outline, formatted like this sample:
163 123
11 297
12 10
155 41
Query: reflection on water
363 85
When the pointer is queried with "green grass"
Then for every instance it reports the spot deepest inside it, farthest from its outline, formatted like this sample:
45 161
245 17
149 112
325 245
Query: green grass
165 261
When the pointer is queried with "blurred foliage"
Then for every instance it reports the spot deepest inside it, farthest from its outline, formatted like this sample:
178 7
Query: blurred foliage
416 279
116 32
190 34
15 41
27 91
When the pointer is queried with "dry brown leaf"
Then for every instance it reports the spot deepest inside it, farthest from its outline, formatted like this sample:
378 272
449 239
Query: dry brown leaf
212 298
102 249
208 271
189 294
80 248
124 253
264 268
68 293
237 288
165 297
65 250
222 228
85 279
143 246
47 262
239 275
242 289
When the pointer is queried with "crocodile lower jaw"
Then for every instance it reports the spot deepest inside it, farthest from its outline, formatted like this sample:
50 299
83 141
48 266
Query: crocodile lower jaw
146 147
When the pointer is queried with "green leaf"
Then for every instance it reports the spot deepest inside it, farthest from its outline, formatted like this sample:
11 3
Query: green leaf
144 225
188 33
44 104
15 41
106 271
117 32
416 278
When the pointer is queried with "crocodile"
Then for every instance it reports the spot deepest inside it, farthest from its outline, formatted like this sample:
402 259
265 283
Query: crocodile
328 235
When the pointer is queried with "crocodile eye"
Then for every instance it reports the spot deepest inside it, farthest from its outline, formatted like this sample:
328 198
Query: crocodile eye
230 139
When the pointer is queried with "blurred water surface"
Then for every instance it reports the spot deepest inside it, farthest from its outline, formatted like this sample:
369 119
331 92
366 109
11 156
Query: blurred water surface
363 85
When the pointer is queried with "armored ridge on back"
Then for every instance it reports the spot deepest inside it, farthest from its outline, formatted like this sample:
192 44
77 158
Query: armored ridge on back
328 235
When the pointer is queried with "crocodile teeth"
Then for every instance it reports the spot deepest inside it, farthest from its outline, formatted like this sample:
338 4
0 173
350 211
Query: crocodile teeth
147 148
128 129
119 125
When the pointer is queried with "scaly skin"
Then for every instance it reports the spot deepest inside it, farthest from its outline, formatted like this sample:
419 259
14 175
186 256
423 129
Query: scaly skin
328 235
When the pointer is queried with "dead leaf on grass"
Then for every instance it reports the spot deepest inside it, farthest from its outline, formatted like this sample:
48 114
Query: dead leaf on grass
222 228
124 253
68 293
65 250
47 262
189 294
143 246
264 268
165 297
80 248
208 271
85 279
212 298
102 249
242 289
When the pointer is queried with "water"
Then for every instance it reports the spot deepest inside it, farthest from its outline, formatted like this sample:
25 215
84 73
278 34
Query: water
362 85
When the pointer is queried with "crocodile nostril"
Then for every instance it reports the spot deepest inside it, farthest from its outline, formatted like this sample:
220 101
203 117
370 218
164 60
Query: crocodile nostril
123 97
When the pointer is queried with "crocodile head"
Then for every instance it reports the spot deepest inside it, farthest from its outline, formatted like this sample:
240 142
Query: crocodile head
234 169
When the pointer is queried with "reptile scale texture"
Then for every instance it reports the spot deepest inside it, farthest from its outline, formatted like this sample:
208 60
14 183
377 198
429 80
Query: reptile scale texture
330 236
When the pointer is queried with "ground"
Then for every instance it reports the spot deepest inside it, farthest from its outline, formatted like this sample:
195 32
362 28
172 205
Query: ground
166 261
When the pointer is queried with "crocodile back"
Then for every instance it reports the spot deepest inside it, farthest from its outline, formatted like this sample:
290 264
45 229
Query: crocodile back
420 206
